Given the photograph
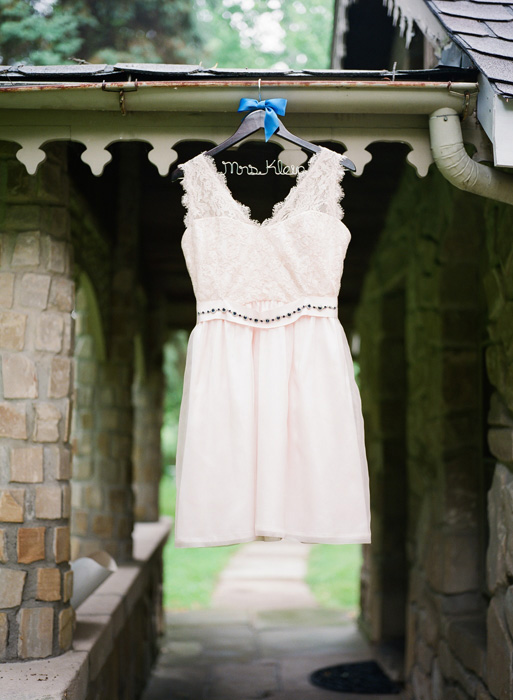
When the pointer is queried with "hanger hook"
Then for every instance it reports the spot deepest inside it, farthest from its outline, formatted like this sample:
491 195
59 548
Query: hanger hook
259 95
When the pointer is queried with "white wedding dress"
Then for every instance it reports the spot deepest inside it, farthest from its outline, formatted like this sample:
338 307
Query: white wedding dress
271 435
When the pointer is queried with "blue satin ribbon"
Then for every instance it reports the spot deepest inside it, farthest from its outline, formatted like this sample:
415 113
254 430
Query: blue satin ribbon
272 108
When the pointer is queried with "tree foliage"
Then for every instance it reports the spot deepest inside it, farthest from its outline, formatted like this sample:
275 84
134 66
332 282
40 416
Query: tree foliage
32 36
266 33
97 31
230 33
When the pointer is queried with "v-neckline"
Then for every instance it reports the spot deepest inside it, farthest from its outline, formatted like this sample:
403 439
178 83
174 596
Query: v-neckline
244 209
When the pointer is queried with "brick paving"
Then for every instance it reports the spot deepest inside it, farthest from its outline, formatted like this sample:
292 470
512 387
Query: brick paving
261 638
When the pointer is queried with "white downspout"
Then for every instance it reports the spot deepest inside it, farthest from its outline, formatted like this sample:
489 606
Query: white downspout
457 166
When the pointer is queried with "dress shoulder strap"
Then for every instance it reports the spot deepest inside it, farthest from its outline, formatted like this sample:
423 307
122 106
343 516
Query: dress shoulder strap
318 188
203 195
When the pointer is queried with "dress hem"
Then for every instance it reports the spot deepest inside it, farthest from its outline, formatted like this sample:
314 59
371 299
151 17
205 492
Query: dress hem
273 536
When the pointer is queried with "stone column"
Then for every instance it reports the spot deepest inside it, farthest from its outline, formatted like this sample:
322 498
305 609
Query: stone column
102 436
36 300
384 395
147 456
498 284
102 440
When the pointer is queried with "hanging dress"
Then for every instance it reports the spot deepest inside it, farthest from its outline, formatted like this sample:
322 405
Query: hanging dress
270 435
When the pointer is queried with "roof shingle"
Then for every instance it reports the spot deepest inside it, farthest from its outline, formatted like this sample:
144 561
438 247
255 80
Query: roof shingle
484 31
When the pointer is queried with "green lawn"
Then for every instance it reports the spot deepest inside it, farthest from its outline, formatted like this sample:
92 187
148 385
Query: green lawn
191 573
333 574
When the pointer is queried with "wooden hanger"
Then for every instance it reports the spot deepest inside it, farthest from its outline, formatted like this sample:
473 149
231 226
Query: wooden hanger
252 123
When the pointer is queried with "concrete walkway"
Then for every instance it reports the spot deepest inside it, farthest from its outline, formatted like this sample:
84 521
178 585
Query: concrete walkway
262 637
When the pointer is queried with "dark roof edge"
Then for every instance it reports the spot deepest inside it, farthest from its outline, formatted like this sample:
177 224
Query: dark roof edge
126 72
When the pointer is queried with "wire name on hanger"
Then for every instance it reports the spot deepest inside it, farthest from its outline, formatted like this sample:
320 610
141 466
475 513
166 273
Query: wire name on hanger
276 165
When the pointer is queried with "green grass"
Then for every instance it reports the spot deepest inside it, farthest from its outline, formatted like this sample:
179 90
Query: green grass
333 575
190 573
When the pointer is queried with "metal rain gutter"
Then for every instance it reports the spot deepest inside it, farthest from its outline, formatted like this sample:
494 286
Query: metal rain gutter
304 96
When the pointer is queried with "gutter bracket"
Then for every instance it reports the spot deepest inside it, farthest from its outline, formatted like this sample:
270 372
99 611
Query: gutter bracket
466 98
126 87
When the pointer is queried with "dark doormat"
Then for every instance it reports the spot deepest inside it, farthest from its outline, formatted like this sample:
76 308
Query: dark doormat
364 677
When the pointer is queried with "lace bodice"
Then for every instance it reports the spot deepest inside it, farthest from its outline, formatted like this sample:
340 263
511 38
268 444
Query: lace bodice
298 251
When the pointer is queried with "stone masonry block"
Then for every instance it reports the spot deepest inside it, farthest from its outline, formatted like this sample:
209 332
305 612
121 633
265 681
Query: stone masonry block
12 505
46 427
6 289
20 185
12 330
502 483
66 426
27 464
48 584
482 693
499 661
85 419
3 545
31 544
58 461
92 497
55 221
68 335
61 544
500 442
13 420
27 249
67 585
57 255
103 525
66 500
124 527
19 377
49 332
62 294
36 632
22 217
4 246
60 375
508 609
11 587
80 521
452 562
48 502
499 413
33 290
4 629
66 625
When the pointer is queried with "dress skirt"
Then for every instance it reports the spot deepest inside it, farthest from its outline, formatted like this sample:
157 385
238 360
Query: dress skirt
270 436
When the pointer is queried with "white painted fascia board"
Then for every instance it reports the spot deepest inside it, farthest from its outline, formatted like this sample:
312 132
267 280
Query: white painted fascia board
495 114
418 11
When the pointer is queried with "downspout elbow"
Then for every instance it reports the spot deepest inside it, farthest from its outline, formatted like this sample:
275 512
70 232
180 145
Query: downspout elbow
457 166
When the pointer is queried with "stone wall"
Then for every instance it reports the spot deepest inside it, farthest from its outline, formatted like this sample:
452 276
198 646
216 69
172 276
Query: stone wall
66 398
115 642
36 329
498 284
425 332
147 393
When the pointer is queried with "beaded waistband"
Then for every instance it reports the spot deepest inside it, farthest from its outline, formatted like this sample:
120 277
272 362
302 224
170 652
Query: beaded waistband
279 315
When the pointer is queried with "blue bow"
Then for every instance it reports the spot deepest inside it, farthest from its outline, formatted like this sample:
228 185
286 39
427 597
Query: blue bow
272 107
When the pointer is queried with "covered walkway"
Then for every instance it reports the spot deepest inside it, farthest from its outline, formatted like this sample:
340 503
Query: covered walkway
262 637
